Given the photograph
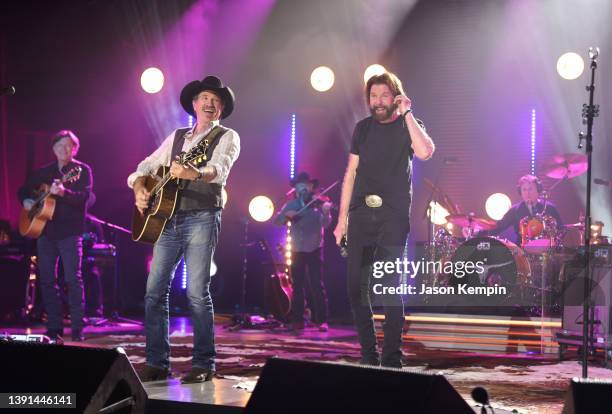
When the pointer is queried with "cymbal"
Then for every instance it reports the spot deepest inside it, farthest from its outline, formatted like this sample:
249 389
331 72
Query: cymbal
578 225
466 220
565 166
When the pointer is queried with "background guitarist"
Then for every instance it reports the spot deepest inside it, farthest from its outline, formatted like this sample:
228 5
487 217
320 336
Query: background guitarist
193 229
62 235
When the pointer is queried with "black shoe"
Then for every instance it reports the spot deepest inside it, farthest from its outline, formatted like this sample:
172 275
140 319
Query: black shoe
77 336
197 375
55 336
369 360
392 364
151 373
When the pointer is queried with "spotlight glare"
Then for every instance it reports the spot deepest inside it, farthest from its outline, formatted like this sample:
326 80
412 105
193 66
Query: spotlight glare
570 65
261 208
322 78
213 267
437 213
497 205
152 80
372 70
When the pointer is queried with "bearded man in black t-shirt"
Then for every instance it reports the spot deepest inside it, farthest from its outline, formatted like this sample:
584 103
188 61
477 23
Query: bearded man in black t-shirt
375 209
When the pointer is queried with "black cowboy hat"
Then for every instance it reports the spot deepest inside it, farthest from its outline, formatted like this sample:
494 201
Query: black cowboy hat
303 177
209 83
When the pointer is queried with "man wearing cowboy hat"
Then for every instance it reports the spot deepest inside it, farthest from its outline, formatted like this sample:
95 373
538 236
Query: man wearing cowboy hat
193 230
307 228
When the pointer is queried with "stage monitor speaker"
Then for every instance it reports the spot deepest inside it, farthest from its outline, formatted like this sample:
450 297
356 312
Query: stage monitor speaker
290 386
588 396
601 299
100 378
15 273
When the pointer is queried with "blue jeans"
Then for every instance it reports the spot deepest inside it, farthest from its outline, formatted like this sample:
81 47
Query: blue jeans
192 235
70 250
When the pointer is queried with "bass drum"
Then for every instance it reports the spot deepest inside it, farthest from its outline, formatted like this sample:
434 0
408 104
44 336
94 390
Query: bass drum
502 262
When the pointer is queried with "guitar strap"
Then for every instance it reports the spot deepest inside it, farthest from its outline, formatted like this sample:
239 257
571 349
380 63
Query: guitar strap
212 138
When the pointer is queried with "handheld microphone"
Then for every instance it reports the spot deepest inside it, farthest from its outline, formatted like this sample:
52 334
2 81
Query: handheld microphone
343 247
9 90
481 396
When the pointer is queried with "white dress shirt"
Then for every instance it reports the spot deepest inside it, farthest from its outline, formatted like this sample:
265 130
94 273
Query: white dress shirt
223 157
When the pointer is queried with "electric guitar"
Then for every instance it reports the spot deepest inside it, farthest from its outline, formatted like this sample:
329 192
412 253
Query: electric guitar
33 221
164 189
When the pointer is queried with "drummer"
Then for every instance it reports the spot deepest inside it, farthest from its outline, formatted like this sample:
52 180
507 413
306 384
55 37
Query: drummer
530 189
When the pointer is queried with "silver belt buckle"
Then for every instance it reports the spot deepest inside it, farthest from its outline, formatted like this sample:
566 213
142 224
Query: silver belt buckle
373 201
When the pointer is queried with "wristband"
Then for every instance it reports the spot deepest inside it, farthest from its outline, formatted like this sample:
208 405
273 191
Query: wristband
407 112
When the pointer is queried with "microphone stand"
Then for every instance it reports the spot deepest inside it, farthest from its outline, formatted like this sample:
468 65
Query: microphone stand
589 112
113 229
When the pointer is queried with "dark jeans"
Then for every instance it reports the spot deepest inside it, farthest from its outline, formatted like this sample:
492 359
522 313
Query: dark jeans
311 261
94 297
192 235
376 234
70 250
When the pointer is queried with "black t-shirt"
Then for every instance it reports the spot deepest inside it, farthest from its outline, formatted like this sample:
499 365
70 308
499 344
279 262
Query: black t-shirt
69 215
385 163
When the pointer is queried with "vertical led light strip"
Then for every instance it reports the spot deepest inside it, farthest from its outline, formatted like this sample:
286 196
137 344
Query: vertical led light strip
292 149
288 244
190 122
184 275
533 140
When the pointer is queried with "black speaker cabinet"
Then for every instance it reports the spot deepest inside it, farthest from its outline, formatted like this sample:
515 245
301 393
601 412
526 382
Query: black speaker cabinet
588 396
14 271
99 377
601 299
289 386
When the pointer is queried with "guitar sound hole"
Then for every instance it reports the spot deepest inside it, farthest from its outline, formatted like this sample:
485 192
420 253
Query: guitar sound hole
153 202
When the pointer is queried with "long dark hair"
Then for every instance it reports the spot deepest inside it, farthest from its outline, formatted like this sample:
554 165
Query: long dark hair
387 78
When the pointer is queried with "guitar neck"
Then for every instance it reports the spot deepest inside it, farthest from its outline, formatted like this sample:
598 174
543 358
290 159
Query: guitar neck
183 160
42 197
164 180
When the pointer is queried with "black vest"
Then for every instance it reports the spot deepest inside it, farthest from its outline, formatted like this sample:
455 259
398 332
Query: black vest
197 195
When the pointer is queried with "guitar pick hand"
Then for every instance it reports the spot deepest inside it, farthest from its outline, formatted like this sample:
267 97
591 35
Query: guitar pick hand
142 197
57 188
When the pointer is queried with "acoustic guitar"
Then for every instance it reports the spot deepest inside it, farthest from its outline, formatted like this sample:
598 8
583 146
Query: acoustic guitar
33 221
279 287
164 189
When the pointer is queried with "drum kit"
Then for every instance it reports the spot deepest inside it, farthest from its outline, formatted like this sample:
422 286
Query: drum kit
532 272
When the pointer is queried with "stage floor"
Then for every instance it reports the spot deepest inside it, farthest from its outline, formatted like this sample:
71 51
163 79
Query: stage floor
526 382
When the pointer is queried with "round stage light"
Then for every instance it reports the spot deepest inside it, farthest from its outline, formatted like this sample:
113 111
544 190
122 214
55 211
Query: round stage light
372 70
261 208
497 205
437 213
152 80
322 78
570 65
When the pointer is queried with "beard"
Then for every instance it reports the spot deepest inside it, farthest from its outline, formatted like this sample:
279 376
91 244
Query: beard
383 116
